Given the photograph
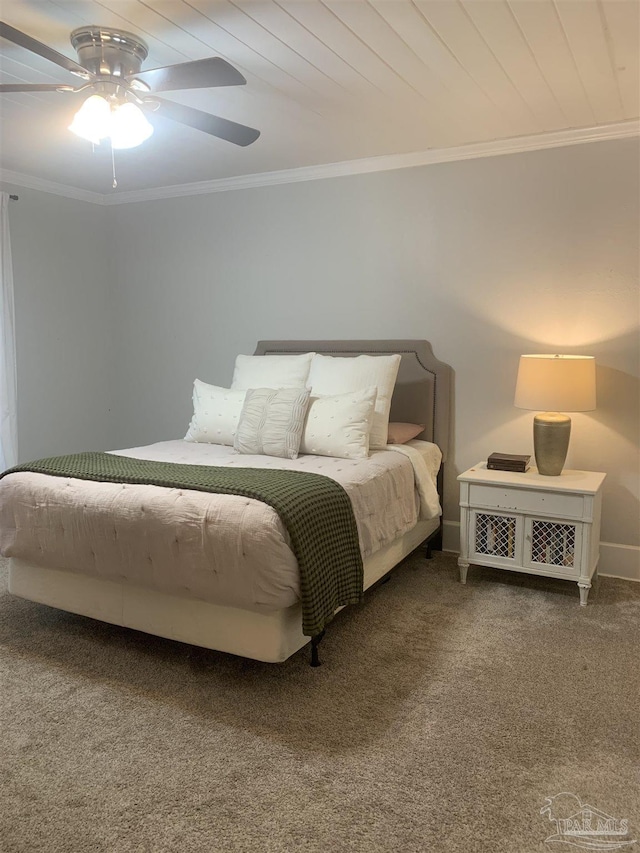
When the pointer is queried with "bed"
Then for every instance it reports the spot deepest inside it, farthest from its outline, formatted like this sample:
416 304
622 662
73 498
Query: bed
254 612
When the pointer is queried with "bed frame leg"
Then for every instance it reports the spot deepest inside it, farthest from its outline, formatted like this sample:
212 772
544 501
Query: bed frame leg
315 642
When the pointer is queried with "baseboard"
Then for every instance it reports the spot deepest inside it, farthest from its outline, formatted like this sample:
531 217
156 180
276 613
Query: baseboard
616 561
619 561
451 536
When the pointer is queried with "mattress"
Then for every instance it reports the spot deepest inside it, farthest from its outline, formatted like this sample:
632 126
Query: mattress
224 549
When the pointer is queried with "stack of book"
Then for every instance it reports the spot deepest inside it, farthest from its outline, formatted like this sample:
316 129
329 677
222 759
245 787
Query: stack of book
508 462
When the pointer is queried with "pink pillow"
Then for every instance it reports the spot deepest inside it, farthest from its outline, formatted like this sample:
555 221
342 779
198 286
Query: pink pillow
402 433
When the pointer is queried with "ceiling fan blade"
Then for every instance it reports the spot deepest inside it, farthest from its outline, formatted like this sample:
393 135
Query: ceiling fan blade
23 40
239 134
35 87
199 74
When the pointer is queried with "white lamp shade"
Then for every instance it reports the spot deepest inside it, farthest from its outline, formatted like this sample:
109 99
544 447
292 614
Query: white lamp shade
129 127
93 119
556 383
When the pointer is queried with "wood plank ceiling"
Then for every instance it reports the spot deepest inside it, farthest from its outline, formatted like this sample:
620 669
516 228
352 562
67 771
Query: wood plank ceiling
329 80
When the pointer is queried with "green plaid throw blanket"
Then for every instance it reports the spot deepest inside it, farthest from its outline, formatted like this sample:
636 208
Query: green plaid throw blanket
315 510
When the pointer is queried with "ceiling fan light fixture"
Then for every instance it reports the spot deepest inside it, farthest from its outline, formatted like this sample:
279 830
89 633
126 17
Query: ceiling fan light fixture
129 127
125 123
93 119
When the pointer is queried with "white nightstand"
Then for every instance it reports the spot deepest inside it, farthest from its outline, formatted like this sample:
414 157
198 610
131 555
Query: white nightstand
531 523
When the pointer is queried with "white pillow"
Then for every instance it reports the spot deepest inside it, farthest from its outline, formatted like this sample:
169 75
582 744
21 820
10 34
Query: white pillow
271 421
336 375
340 425
271 371
216 412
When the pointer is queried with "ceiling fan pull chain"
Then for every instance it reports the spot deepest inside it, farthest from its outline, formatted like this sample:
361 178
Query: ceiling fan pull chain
113 168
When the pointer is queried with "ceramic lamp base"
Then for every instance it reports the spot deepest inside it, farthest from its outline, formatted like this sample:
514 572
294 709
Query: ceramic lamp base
551 432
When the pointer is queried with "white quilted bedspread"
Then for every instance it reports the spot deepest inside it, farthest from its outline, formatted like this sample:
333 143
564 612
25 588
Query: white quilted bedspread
222 548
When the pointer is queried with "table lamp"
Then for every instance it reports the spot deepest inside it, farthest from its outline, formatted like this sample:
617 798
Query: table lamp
555 383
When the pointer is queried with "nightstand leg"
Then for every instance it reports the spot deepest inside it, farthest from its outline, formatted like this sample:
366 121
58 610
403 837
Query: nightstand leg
463 565
584 592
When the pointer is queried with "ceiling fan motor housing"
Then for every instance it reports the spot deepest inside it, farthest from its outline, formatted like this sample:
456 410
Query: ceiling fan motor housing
108 52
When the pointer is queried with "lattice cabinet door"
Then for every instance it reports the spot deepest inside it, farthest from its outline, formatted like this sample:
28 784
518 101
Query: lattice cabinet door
496 537
553 545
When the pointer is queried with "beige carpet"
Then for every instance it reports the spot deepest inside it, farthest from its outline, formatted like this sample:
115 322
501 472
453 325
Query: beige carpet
441 719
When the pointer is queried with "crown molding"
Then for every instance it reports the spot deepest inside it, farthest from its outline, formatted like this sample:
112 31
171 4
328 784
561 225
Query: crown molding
384 163
19 179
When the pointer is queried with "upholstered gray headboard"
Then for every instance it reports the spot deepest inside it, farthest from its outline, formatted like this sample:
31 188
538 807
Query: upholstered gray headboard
423 390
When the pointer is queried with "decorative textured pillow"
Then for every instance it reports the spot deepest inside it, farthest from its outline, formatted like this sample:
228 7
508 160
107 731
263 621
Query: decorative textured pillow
337 375
271 371
271 421
216 412
340 425
400 433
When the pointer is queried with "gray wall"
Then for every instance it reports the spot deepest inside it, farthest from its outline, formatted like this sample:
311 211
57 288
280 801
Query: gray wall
486 258
64 320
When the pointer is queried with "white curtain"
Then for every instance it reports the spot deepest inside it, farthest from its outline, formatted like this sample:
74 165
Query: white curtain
8 382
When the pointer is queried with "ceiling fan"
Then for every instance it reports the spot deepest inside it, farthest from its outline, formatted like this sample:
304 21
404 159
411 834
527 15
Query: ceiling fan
109 63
